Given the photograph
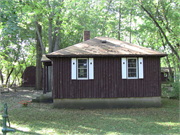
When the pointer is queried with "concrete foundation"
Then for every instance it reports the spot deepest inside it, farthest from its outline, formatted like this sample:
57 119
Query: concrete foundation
92 103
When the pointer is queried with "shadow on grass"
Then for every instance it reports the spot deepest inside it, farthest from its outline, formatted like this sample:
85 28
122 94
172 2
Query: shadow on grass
17 131
162 120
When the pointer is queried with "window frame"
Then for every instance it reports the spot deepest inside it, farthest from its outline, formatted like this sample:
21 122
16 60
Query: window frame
127 71
78 68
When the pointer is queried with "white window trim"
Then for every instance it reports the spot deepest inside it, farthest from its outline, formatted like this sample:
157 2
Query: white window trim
91 68
73 68
123 68
87 69
136 68
141 68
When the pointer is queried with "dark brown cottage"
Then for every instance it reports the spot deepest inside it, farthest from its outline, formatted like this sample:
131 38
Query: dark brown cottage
105 72
166 75
29 77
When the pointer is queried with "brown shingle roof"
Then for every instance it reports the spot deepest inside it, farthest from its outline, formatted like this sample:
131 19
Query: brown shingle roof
112 47
45 59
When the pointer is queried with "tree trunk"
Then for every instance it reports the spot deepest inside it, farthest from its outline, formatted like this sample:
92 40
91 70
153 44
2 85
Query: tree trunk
104 23
50 50
9 74
38 60
119 26
167 59
1 76
130 22
16 74
174 67
39 37
56 42
58 39
169 66
56 36
50 33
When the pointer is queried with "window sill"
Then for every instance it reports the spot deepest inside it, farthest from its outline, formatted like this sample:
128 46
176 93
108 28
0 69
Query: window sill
132 78
82 79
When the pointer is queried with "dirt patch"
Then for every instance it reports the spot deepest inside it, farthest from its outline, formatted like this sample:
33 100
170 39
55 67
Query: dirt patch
16 95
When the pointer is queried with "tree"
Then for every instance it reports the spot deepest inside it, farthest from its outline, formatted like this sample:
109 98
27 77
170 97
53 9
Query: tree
28 26
159 15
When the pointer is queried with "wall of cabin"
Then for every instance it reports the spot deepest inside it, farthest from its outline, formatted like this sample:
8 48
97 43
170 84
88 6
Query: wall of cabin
108 82
29 77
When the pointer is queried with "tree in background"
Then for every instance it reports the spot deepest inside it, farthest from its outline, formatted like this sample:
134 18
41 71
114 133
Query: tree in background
32 28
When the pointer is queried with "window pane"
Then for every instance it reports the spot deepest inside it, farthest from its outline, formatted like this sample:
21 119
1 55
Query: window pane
82 65
131 62
130 74
132 71
82 60
82 73
82 68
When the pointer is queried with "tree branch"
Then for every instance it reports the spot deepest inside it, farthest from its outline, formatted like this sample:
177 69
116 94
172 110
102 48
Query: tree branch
157 25
102 33
167 59
39 37
9 75
1 76
119 24
16 74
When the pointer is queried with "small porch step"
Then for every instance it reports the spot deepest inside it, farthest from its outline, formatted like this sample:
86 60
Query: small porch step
44 98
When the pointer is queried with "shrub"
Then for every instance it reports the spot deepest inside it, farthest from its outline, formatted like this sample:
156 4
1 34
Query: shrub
176 87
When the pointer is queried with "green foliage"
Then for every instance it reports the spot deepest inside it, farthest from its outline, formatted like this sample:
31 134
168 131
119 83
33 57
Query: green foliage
171 89
176 87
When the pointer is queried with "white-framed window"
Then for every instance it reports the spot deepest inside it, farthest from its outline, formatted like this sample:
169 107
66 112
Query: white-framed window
132 68
132 72
82 68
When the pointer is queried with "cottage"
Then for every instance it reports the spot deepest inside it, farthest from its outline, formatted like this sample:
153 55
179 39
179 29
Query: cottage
106 73
29 77
166 75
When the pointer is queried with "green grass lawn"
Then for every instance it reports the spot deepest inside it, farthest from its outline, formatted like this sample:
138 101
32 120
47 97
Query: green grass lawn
43 119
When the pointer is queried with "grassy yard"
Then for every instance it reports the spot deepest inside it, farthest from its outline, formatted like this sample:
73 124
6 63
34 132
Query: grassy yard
43 119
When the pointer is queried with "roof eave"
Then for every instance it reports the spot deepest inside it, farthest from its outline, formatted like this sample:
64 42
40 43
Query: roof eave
108 55
45 59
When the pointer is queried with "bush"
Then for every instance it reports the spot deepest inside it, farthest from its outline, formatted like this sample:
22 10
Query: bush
176 86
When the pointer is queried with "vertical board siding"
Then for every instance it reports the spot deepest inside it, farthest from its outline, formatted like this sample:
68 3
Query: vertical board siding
29 77
107 82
